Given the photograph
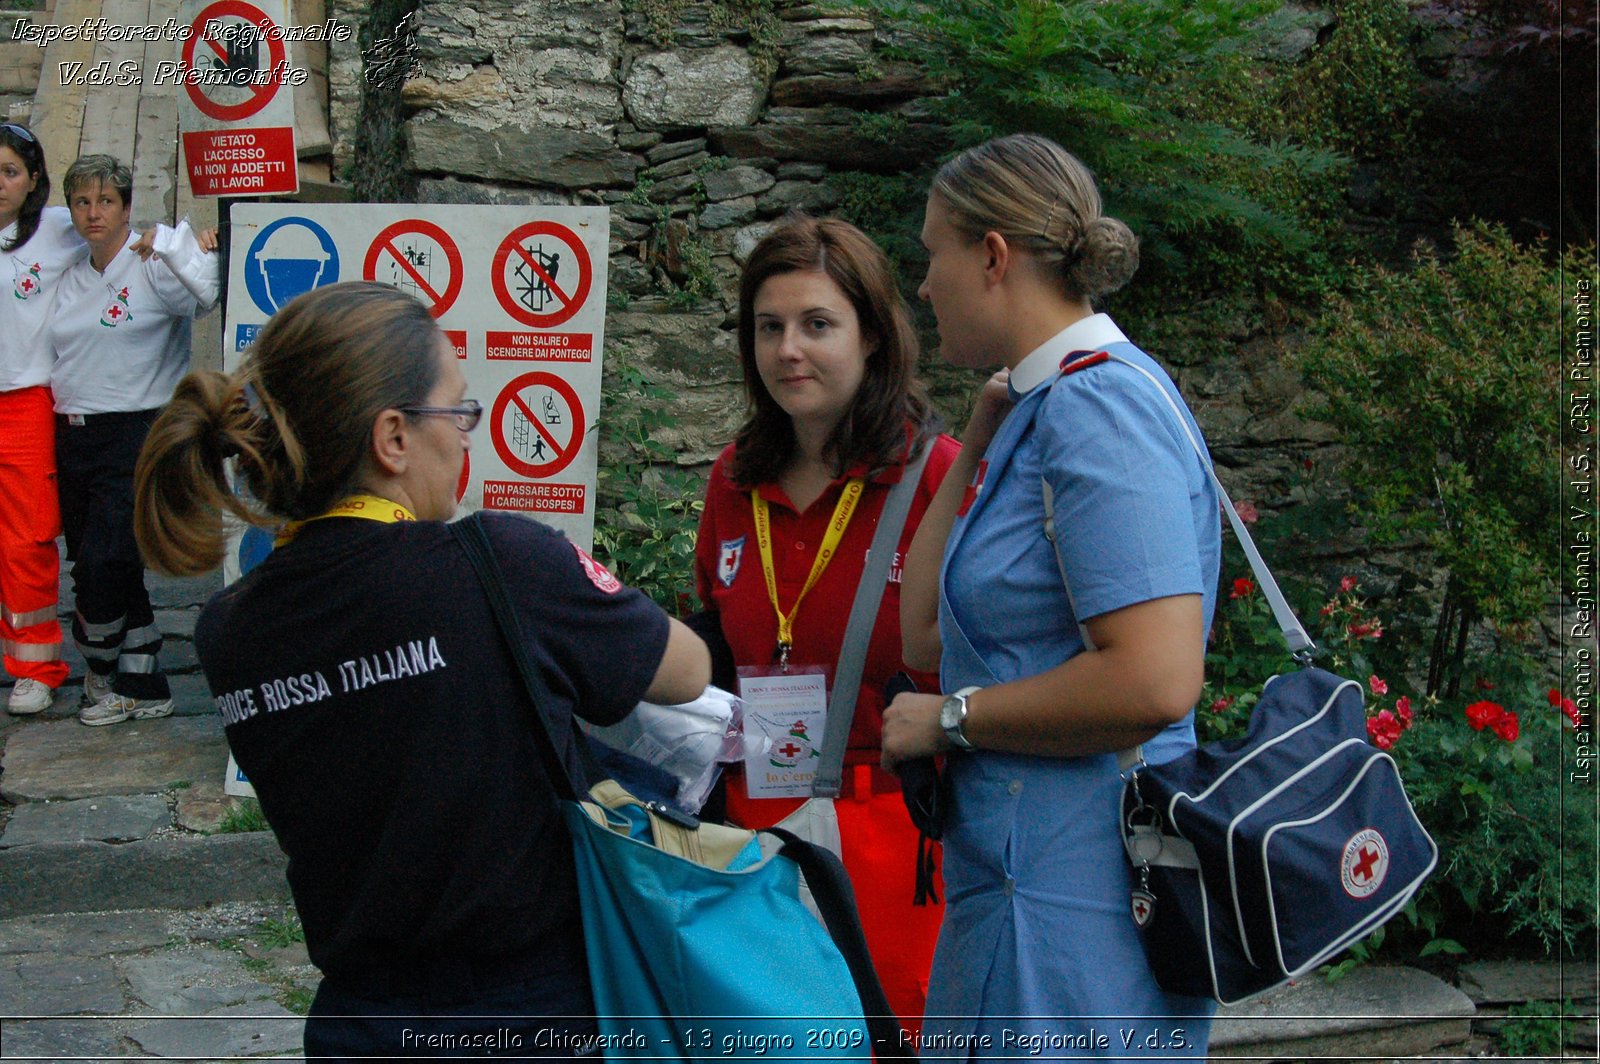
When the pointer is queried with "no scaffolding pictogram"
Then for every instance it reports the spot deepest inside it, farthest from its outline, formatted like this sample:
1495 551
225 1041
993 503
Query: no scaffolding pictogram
537 424
232 31
419 258
542 274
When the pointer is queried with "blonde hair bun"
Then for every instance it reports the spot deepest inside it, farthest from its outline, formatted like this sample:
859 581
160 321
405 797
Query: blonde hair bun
1108 257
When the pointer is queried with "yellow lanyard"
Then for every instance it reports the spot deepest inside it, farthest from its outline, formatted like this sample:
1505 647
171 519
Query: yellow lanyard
366 507
830 544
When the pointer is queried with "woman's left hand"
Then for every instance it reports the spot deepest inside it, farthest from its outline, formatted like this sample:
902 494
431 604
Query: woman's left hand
911 729
207 239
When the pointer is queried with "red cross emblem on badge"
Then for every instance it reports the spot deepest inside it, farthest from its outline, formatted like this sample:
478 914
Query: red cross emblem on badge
1143 906
789 750
1363 867
114 313
27 284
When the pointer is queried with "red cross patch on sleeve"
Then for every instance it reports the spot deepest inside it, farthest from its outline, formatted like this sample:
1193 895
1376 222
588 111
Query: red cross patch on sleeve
597 573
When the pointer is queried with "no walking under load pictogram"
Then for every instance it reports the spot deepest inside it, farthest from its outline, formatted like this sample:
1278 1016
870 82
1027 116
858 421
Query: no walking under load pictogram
420 258
237 51
537 424
542 274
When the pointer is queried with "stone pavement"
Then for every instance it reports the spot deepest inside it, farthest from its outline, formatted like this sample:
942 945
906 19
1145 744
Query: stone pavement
131 929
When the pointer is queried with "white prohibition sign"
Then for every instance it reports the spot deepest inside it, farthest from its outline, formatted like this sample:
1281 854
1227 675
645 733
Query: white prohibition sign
537 424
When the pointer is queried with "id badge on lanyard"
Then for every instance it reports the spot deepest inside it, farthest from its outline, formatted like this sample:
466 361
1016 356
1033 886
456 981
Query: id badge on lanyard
785 711
786 705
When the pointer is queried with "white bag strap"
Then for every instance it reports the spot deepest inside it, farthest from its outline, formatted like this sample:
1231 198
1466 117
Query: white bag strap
858 630
1294 634
1289 626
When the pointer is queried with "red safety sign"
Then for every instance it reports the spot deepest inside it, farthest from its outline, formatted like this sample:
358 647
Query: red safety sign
237 50
420 258
541 274
537 424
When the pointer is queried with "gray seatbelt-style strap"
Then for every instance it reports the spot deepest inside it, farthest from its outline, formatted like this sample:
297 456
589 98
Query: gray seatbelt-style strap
858 630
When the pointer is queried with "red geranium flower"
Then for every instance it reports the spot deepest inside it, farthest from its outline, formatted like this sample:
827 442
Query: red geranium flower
1483 685
1379 687
1347 583
1553 696
1566 705
1243 588
1247 511
1402 709
1221 704
1506 727
1366 629
1483 714
1383 730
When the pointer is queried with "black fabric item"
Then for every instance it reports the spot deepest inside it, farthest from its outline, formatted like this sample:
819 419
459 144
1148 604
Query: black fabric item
94 474
369 699
707 624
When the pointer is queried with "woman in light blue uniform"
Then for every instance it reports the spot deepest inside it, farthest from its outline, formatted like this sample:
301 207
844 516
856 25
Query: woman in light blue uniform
1054 655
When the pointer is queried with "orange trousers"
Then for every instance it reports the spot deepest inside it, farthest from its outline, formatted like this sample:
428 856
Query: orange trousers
30 520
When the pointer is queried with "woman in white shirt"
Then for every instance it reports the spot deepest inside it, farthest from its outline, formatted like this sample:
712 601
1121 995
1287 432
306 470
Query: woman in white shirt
36 244
121 335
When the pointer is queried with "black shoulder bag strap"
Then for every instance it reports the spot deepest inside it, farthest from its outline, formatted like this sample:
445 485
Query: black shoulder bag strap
824 873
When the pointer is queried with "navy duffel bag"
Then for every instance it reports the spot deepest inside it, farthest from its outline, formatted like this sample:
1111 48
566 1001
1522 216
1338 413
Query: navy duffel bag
1259 859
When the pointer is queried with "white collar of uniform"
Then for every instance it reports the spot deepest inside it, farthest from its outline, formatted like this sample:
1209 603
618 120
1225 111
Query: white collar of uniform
1042 363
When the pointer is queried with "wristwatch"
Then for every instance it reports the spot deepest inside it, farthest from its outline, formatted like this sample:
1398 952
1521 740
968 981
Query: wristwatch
953 714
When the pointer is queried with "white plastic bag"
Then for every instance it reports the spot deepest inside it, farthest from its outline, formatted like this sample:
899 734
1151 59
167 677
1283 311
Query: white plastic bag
691 741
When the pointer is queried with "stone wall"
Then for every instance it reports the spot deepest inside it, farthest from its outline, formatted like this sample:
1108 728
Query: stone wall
697 126
700 125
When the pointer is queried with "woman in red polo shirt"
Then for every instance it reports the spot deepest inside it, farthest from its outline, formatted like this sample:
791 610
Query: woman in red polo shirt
829 358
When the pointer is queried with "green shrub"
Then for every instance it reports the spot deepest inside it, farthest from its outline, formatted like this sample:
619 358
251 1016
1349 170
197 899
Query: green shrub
1357 93
648 507
1439 381
377 173
1131 87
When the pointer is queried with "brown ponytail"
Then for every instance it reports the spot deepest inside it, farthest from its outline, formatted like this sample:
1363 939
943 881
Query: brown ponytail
296 418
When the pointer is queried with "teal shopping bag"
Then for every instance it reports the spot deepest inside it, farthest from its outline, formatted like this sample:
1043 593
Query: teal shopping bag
699 947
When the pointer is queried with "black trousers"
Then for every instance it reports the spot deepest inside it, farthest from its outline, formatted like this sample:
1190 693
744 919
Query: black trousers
114 625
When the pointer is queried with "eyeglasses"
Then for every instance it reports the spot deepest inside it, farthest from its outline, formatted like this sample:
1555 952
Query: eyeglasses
12 127
467 415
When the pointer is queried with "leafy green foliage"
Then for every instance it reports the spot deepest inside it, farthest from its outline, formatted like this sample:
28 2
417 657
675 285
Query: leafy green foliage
1439 380
648 508
1130 87
1537 1028
377 171
1358 92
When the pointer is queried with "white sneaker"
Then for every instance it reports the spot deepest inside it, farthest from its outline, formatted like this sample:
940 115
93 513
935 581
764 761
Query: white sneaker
28 697
114 708
96 688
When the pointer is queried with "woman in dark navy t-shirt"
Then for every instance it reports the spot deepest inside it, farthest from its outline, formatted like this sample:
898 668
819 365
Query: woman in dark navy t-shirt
366 692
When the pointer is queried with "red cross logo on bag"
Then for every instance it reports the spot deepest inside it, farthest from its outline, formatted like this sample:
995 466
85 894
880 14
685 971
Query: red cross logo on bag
1365 863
